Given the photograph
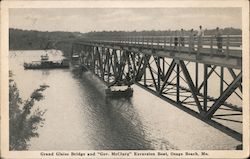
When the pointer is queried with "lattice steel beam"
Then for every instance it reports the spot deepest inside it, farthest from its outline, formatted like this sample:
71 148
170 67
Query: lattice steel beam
230 89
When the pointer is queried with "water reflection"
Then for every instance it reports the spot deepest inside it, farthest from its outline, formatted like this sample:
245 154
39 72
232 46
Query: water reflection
45 72
136 134
112 121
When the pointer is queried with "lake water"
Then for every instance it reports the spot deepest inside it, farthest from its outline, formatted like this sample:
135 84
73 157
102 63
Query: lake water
79 117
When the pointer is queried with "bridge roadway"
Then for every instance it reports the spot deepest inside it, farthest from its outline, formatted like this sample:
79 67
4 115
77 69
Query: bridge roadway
146 62
230 57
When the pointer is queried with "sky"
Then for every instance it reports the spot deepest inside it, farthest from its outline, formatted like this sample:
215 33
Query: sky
127 19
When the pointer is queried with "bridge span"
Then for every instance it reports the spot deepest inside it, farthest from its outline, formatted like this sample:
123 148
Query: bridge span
176 70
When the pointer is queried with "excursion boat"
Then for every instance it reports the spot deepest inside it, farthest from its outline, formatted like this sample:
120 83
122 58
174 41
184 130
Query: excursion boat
119 91
45 63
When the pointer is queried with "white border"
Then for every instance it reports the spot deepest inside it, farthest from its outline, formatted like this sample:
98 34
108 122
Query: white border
5 5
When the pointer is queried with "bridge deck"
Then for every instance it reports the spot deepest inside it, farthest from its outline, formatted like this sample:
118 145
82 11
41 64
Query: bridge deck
207 53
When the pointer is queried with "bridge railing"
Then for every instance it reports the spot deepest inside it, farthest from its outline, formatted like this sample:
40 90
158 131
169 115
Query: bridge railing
223 44
231 40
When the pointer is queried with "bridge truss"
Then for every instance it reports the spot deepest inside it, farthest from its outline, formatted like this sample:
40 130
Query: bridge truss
185 83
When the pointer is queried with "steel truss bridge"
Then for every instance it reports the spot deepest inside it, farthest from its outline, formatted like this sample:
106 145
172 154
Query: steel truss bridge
195 76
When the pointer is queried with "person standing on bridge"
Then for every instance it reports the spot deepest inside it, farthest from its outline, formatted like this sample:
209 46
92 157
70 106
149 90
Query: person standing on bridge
218 39
200 36
182 42
175 39
191 40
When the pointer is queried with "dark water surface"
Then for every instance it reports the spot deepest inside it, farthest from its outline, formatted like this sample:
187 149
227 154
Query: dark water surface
79 117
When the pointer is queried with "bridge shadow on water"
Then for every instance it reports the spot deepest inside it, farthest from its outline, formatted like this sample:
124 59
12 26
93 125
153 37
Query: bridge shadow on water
115 123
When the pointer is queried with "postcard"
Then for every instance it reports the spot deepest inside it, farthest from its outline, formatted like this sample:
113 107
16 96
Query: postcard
125 79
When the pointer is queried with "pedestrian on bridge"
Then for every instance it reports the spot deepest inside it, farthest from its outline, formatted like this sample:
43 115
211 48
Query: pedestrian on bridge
218 39
200 32
182 40
175 39
200 36
191 40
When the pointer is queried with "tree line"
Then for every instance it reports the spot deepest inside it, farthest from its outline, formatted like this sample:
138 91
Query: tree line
33 40
225 31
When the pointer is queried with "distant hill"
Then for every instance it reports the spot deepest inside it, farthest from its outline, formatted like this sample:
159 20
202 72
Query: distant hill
225 31
38 40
